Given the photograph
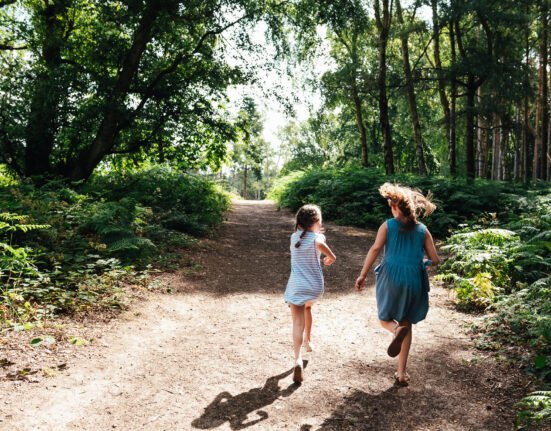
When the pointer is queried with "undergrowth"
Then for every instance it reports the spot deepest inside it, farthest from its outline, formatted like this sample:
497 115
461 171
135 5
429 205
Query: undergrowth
350 196
72 248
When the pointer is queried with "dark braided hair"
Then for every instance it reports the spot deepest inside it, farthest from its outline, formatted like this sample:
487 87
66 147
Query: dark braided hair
306 216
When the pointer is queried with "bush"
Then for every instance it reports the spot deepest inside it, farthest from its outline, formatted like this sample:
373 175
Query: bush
350 196
77 246
535 408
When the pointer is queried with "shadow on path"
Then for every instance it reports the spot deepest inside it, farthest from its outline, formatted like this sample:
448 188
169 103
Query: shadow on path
235 409
447 392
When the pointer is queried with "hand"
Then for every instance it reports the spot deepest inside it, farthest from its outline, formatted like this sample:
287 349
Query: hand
328 260
359 283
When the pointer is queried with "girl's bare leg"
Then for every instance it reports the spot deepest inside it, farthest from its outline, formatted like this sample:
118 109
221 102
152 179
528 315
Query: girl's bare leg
404 351
307 323
389 325
297 314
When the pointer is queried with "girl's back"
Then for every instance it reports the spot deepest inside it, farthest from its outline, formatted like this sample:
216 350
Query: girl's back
404 245
306 280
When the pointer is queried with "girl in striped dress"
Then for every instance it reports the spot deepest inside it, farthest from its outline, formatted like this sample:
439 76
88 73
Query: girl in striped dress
402 284
305 284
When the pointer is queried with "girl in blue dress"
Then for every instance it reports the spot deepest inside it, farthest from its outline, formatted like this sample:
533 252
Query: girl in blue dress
306 281
402 284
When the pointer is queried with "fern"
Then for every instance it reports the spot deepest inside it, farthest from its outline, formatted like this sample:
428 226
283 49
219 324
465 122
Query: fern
536 407
134 245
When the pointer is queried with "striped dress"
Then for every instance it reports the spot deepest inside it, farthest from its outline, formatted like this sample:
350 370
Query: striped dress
306 280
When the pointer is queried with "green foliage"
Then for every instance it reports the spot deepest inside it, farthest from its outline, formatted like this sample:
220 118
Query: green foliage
507 270
480 263
122 82
535 408
79 247
476 292
350 196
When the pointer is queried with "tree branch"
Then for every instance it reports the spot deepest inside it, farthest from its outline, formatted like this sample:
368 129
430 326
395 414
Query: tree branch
5 47
179 59
6 2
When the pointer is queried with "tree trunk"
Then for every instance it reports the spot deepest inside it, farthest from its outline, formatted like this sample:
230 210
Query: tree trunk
47 93
524 153
410 91
496 147
438 63
469 135
89 158
245 182
161 145
482 139
383 27
505 133
537 139
360 122
452 157
544 89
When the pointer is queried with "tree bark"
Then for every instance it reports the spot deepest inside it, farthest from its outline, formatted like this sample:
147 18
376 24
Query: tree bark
353 50
482 139
452 157
360 124
469 123
383 27
524 154
438 63
410 91
496 147
538 129
47 93
544 88
245 182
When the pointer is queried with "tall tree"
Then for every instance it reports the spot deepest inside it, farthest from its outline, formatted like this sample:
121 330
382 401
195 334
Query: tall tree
103 80
249 148
383 19
444 101
410 92
543 91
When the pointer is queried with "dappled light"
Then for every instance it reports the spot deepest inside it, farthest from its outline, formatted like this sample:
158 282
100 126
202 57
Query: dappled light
198 198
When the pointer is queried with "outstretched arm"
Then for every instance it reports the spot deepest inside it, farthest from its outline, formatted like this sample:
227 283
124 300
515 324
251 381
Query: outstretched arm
324 248
372 255
430 249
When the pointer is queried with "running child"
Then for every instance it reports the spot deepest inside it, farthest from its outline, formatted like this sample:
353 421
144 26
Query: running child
305 285
402 284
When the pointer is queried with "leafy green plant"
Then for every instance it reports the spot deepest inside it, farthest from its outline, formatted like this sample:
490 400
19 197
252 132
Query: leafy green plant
535 408
101 238
350 196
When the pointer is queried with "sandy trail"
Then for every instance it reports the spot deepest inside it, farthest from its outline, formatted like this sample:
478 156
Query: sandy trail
217 354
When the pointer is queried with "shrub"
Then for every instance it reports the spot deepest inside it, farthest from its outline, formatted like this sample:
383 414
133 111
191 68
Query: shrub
350 196
534 408
79 245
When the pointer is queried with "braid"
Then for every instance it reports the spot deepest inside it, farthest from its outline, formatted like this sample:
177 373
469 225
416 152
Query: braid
297 245
306 216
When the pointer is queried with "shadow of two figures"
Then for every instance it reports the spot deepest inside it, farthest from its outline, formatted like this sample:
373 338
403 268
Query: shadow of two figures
235 409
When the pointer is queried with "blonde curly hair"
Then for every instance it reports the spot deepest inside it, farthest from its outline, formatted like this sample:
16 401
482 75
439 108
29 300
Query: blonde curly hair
411 203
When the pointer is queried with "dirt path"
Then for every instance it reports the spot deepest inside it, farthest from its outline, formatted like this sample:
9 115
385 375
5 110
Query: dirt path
216 354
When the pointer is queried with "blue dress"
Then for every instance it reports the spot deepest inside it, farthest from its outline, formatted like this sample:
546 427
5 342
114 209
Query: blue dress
306 280
402 281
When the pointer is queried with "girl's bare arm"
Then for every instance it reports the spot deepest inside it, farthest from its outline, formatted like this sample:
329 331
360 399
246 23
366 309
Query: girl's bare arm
372 255
329 255
430 249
